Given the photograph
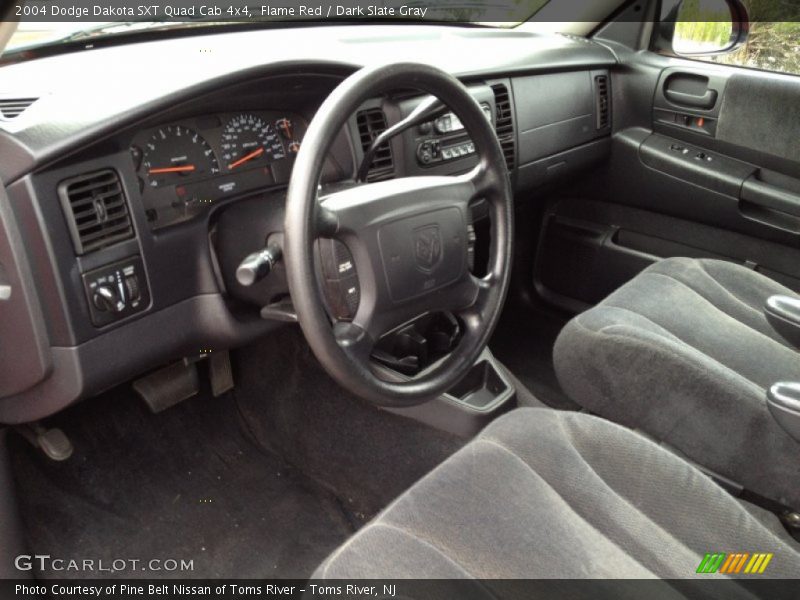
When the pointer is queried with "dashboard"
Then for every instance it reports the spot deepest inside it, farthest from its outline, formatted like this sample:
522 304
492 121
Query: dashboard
126 208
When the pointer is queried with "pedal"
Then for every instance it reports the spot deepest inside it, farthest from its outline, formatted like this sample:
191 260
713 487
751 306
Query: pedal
53 442
220 372
168 386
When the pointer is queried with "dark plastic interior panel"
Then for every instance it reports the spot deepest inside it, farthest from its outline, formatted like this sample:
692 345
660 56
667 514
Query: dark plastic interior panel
554 112
588 248
694 164
580 262
772 199
197 324
177 261
483 395
681 192
24 351
557 167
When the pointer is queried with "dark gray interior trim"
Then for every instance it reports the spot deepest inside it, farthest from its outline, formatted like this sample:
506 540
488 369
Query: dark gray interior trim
184 329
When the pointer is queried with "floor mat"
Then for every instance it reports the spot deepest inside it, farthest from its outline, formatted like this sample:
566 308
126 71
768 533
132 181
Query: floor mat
523 341
367 455
186 484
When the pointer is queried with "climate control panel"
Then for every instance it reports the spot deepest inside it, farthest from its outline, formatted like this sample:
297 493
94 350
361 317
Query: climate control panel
116 291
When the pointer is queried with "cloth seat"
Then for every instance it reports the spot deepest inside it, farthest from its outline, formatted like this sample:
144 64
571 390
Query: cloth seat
549 494
684 353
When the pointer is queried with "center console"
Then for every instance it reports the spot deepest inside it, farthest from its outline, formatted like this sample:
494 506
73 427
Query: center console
483 394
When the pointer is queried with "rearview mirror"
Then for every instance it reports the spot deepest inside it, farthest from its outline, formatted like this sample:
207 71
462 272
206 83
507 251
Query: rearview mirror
704 27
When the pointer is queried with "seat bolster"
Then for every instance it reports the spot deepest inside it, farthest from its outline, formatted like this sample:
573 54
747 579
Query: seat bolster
545 494
734 289
365 557
630 371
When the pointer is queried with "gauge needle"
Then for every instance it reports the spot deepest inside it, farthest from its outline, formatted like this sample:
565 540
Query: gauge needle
246 157
182 169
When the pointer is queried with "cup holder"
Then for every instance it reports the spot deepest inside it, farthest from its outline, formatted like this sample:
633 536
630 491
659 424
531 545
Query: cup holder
481 386
417 345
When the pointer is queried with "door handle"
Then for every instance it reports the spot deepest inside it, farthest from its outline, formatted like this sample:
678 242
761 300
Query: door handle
706 101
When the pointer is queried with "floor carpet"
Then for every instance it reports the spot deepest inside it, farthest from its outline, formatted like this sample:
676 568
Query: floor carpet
523 341
186 484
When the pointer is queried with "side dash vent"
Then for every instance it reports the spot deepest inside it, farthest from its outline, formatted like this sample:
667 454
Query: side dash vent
504 126
96 210
603 109
11 108
371 123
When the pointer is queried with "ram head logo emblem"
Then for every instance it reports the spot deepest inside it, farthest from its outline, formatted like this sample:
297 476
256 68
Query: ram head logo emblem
427 247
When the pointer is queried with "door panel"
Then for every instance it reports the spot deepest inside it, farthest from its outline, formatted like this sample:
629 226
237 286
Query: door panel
709 167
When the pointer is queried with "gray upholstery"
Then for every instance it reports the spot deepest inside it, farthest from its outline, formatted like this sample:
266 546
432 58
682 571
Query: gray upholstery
684 353
550 494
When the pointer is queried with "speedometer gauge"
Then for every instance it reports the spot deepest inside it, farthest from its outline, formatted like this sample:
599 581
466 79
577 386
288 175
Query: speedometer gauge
248 140
175 153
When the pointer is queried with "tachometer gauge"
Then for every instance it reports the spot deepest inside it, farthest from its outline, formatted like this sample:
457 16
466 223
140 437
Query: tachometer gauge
174 153
248 140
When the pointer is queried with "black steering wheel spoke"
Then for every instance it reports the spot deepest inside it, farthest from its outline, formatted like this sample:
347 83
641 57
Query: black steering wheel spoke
355 341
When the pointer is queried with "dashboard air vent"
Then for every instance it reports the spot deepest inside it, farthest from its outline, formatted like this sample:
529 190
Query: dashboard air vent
601 86
371 123
11 108
504 126
96 210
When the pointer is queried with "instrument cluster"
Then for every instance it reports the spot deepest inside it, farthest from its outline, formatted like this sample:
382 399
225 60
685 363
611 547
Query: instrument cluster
185 167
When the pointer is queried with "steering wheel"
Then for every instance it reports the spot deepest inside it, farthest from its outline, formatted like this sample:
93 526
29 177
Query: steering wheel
408 239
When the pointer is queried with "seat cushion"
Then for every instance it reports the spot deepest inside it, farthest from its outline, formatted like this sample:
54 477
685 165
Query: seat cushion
548 494
684 353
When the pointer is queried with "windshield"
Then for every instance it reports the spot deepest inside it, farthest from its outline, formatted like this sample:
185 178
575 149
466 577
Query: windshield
87 23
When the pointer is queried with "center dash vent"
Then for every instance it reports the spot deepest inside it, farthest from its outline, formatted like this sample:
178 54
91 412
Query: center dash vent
96 210
601 88
11 108
504 126
371 123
